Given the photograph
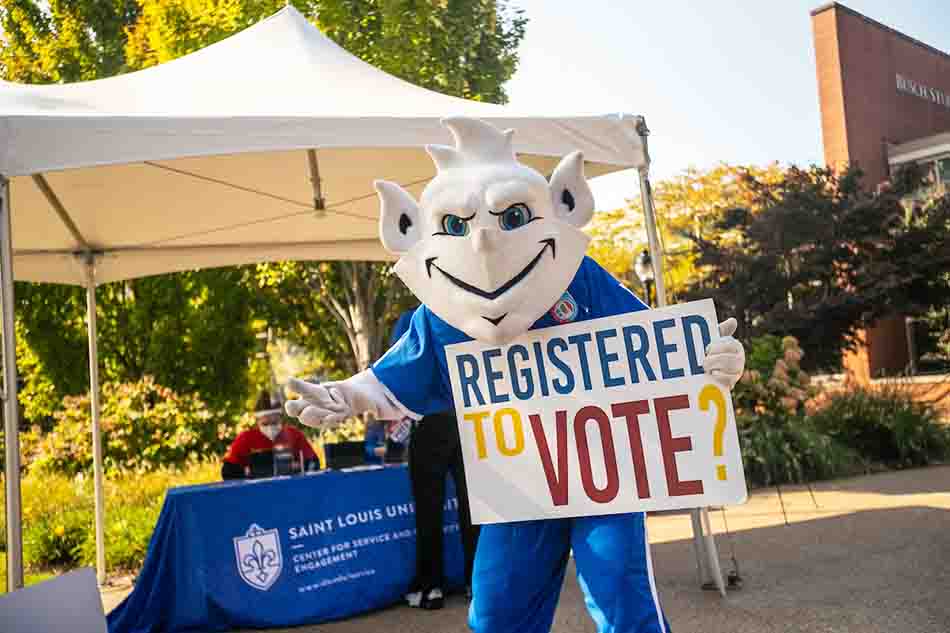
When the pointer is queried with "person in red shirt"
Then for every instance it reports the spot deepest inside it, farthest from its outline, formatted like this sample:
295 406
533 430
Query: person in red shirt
270 448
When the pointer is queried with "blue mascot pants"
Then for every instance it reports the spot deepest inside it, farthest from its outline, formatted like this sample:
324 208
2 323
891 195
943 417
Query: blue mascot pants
519 570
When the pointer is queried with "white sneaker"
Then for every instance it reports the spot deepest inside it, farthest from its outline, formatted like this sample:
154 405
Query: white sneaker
433 599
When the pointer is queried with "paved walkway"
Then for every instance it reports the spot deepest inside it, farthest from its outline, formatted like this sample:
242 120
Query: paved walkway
872 556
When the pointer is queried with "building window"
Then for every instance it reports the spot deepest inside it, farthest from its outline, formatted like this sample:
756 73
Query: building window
943 171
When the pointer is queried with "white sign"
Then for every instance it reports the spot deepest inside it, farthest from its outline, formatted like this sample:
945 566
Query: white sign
597 417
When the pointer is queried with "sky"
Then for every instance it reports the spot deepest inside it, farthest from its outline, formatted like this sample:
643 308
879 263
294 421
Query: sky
725 81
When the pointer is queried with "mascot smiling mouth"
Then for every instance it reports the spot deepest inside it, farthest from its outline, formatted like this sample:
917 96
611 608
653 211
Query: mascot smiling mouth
511 283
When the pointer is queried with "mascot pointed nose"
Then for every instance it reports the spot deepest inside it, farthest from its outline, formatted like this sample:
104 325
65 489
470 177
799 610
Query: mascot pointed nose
484 240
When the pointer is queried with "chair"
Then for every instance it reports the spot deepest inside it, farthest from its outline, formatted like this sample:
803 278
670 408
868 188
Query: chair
66 604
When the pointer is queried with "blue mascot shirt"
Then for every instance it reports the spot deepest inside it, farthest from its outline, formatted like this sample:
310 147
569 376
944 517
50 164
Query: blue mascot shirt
402 325
415 369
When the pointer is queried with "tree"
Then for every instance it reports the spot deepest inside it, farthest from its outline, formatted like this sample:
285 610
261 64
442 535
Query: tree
311 303
465 48
191 331
64 40
690 203
817 256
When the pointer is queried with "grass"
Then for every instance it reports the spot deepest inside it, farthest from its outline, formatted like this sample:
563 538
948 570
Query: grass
58 517
29 579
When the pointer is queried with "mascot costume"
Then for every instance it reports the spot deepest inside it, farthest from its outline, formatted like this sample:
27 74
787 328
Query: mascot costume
492 250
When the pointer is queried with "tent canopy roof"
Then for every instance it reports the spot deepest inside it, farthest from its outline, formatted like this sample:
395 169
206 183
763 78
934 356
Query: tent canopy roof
203 161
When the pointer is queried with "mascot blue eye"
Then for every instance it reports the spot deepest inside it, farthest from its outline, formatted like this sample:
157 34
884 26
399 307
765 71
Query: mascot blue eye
454 225
515 216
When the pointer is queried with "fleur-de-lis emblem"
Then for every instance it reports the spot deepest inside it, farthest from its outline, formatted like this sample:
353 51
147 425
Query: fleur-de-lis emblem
258 557
260 560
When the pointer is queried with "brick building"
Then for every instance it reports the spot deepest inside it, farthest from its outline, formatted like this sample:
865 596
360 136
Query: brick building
885 100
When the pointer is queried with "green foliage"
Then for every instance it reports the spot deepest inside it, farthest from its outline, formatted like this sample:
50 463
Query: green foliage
128 532
886 427
932 340
762 353
63 40
58 515
773 383
807 252
144 426
464 48
819 256
344 309
689 203
55 540
38 395
191 331
788 449
29 579
779 443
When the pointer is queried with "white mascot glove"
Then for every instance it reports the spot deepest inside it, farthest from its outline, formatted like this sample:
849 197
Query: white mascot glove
725 358
334 402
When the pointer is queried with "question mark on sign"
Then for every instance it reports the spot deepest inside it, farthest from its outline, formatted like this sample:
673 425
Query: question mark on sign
712 393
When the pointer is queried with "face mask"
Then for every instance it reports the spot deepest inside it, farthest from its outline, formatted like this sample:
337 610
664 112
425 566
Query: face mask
271 431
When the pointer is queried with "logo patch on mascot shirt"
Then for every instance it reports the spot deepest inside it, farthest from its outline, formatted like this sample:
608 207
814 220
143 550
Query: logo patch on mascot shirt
565 310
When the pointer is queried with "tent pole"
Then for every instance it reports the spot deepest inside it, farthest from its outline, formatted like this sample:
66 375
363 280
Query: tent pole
94 407
646 197
319 202
11 413
700 516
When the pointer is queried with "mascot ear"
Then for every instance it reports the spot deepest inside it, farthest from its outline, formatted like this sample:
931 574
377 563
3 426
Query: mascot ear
570 194
400 226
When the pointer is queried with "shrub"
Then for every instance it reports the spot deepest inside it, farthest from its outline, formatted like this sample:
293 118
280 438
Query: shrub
144 426
789 449
774 383
59 519
133 504
779 444
128 531
885 426
56 539
44 497
763 352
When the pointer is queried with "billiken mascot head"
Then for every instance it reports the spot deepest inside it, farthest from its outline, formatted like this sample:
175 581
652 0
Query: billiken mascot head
491 245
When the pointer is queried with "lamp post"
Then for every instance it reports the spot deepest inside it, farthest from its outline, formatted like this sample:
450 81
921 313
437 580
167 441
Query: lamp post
643 266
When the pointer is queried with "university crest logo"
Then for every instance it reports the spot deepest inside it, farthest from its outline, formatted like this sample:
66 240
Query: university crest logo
258 557
565 310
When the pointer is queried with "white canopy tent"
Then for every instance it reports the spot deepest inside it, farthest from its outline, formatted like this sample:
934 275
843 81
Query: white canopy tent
261 147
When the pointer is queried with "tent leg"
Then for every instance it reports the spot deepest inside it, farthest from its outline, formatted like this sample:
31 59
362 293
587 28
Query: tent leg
11 413
94 406
712 554
646 197
699 547
704 544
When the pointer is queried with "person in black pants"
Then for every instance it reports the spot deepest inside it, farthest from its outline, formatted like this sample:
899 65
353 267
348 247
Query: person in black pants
434 451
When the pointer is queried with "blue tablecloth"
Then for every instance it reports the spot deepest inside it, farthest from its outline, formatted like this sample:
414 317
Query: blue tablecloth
281 552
